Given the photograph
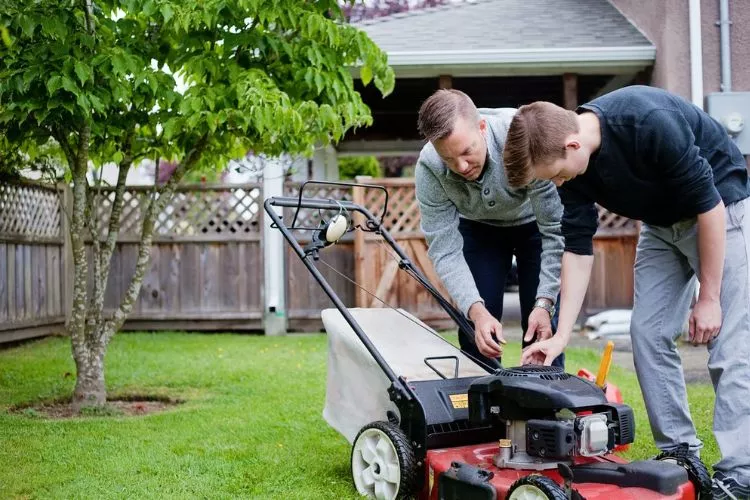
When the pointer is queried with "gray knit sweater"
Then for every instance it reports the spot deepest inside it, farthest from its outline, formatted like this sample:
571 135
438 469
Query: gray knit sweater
444 197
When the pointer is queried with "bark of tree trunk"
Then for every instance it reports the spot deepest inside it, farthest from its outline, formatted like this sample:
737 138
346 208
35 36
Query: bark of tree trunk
90 388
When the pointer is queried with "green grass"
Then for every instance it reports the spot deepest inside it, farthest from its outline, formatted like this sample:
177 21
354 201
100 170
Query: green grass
250 426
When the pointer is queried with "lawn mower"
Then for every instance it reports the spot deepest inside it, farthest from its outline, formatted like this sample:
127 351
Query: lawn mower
427 420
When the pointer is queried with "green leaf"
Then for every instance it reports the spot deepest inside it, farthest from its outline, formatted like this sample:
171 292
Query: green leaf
319 83
53 84
366 74
169 128
69 85
149 8
83 102
83 72
5 36
167 12
28 25
119 64
96 103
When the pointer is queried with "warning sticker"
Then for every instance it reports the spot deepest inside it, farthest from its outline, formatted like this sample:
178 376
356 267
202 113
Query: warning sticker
459 401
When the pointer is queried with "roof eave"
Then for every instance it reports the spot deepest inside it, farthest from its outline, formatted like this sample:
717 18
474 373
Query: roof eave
542 61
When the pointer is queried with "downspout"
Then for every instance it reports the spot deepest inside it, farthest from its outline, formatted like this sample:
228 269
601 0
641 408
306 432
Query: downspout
696 54
696 77
726 47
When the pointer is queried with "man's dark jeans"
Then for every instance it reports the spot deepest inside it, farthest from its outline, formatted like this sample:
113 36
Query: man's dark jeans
489 251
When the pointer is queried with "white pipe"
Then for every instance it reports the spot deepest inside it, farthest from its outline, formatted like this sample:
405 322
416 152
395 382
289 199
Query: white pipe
696 54
273 253
726 46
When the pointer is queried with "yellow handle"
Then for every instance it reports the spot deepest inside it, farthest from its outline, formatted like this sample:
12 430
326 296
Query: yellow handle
601 377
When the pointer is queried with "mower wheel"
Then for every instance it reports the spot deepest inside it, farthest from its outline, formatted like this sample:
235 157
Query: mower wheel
696 470
383 462
536 487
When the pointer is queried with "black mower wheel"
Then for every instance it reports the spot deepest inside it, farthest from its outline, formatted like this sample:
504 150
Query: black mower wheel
383 462
536 487
696 470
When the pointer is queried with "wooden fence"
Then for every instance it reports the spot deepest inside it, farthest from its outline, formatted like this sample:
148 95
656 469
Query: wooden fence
34 275
206 271
206 268
611 284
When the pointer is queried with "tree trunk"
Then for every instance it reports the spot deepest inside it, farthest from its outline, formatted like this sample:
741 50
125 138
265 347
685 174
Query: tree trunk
90 333
90 388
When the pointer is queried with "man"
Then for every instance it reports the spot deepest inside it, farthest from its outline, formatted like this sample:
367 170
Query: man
474 222
652 156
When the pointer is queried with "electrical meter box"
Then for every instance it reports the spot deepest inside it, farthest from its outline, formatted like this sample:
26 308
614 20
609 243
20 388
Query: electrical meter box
732 110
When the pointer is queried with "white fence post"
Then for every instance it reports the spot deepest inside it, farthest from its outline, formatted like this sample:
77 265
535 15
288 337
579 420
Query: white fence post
274 312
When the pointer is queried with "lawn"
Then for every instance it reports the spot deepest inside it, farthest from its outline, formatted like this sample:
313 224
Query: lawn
250 426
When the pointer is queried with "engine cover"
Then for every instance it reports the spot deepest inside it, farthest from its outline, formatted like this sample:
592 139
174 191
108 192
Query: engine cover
530 392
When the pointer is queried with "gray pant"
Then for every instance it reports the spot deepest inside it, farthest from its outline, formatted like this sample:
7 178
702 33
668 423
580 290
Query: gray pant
665 268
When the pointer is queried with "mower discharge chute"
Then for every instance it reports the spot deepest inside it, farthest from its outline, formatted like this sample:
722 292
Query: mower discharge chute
426 420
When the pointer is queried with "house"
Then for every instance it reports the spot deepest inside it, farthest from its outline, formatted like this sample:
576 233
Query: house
511 52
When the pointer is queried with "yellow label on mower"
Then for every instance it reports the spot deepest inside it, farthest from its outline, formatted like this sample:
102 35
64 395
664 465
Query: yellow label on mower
459 401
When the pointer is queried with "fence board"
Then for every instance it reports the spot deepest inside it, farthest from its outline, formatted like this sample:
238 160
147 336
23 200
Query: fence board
12 283
253 277
190 277
229 269
39 278
611 284
3 283
20 311
168 270
150 297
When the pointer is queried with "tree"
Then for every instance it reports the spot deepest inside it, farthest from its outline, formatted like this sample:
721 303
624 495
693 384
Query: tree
352 166
196 83
356 12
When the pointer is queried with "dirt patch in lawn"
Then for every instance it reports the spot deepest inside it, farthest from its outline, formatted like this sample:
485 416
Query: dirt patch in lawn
118 406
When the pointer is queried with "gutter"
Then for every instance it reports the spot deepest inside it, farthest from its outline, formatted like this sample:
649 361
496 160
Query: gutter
640 54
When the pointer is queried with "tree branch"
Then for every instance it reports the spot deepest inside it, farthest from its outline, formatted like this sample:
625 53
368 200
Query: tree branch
88 9
155 206
61 136
77 325
93 227
113 231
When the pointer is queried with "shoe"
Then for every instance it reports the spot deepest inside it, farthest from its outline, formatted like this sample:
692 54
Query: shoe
728 488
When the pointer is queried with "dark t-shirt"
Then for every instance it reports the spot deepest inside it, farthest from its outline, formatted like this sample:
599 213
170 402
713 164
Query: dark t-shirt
661 160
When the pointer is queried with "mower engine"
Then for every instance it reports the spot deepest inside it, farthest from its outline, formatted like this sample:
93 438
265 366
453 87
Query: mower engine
549 416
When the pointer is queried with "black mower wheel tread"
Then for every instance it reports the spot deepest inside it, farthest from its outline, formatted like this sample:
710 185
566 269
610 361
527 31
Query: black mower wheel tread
546 485
696 469
406 459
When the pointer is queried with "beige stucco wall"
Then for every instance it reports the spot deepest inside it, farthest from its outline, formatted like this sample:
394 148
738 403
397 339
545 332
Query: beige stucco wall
665 23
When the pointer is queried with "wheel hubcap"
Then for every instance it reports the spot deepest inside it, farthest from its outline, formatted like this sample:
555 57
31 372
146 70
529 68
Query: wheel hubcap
375 467
528 492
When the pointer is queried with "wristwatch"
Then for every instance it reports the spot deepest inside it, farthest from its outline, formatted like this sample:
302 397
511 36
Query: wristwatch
546 305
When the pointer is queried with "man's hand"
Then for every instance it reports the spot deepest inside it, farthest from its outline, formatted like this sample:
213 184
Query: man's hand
544 352
705 321
540 324
485 325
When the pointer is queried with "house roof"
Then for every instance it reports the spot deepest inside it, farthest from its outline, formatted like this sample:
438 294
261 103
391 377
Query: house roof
493 37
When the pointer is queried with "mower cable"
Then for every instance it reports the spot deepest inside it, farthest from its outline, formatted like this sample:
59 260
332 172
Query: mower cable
424 327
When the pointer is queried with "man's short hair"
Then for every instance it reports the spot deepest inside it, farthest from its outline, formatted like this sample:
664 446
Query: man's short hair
536 136
439 112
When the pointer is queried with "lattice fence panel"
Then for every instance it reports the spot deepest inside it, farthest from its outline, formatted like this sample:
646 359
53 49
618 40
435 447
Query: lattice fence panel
312 218
611 224
30 211
403 207
224 210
